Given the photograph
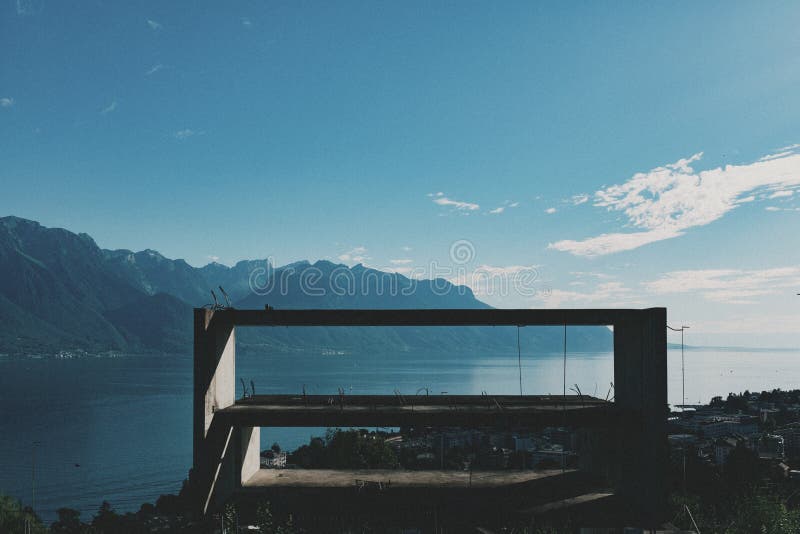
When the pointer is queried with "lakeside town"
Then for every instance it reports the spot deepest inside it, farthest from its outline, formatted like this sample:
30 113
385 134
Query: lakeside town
766 424
744 448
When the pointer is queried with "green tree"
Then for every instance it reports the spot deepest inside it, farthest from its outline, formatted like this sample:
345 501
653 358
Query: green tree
13 517
264 519
229 518
106 518
68 522
764 514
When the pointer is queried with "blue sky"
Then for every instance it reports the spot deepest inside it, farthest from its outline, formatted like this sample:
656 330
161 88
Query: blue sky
641 154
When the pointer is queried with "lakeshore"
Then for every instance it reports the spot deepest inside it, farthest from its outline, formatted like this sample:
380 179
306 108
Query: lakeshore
90 411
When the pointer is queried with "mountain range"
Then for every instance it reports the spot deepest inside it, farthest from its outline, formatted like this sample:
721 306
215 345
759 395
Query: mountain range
60 291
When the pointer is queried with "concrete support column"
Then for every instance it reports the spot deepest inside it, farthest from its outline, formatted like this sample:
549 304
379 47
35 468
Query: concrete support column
640 395
249 453
223 456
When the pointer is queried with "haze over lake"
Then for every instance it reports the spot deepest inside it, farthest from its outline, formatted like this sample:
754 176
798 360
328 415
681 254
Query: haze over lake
119 429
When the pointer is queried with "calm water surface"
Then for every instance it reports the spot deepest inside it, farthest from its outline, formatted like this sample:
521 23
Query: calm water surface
119 429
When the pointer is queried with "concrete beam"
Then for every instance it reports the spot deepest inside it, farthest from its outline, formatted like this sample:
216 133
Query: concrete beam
429 317
640 354
222 456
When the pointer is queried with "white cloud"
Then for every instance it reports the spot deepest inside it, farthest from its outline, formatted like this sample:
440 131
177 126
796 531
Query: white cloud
550 211
403 261
29 7
155 26
405 248
356 254
731 286
501 281
607 294
757 323
590 274
109 108
493 270
442 200
667 201
408 272
6 102
154 69
609 243
246 22
508 204
774 156
186 133
772 208
577 200
782 193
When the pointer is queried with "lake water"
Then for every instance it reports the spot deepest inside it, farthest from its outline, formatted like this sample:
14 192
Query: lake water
119 429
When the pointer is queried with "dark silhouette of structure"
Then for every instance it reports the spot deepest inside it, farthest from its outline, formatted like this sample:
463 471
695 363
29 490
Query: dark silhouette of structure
227 431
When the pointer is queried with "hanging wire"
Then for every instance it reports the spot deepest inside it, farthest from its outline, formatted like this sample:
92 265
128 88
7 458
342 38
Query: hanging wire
565 360
563 457
519 362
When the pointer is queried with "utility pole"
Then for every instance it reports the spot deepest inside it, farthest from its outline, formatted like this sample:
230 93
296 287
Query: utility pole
683 370
683 399
33 475
683 367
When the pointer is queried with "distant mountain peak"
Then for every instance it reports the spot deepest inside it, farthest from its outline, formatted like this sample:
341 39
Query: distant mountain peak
12 221
59 290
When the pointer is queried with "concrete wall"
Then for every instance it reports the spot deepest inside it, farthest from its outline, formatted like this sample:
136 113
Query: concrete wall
224 457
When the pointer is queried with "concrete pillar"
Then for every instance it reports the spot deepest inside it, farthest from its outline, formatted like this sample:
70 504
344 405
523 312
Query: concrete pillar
223 456
249 453
640 395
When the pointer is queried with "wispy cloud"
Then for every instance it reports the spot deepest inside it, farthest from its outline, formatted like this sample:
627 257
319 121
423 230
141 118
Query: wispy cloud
591 274
186 133
408 272
440 199
109 108
577 200
782 194
29 7
508 204
356 254
731 286
246 22
406 248
667 201
6 102
155 68
550 211
501 281
756 323
610 294
154 25
776 208
403 261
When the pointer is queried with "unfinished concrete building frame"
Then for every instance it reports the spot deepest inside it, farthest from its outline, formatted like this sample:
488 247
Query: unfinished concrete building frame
227 431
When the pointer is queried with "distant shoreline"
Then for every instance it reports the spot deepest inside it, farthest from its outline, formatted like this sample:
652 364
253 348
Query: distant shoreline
672 346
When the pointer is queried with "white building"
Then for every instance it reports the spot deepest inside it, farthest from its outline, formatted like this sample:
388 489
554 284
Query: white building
273 460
